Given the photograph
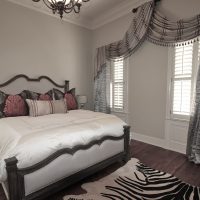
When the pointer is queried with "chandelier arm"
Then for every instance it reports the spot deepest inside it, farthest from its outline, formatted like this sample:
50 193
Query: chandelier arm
77 8
67 12
53 2
64 2
50 7
67 5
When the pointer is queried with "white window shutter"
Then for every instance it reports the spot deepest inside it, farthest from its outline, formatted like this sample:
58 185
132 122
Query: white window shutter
182 79
185 64
118 85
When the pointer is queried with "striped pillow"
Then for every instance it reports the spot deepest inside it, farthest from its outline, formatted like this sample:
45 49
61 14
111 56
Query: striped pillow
40 108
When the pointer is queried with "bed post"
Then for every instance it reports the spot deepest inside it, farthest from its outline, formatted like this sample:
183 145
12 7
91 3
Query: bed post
127 143
66 88
11 167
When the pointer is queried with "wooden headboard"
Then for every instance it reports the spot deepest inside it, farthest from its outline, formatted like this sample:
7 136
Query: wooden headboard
65 86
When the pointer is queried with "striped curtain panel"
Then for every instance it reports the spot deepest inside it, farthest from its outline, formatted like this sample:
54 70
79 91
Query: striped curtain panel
193 144
102 83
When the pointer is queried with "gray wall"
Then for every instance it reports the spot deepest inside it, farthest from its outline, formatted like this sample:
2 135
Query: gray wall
148 70
37 44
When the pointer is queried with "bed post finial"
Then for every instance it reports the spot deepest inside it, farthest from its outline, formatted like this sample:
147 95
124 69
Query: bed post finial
11 167
66 86
127 143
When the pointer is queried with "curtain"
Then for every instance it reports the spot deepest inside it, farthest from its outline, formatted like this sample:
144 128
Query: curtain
147 24
123 48
193 143
135 35
164 32
102 83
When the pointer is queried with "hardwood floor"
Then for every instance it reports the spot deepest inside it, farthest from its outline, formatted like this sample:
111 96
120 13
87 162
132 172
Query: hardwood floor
155 157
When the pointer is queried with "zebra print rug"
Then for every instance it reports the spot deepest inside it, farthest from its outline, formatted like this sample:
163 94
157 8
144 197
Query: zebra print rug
135 181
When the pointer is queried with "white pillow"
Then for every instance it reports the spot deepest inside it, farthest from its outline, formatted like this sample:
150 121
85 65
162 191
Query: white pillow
40 108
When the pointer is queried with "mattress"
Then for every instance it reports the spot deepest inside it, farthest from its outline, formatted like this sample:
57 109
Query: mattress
32 139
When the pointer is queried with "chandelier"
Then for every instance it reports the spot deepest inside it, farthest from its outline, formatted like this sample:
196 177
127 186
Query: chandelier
63 6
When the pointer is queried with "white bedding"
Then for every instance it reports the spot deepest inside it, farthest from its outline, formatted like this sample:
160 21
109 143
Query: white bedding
32 139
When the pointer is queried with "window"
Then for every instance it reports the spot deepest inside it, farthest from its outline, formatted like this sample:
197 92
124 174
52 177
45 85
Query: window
184 68
119 85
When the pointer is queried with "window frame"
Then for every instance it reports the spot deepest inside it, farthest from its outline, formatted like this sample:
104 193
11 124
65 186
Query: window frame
170 82
125 83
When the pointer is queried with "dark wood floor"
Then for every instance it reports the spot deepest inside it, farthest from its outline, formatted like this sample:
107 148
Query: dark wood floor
155 157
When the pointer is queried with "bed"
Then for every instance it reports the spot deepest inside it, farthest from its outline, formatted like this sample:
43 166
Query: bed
40 156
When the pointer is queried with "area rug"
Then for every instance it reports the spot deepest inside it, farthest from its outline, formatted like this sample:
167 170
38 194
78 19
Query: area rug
135 181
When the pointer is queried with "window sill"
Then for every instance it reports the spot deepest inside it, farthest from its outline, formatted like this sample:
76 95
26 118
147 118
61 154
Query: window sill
120 112
178 120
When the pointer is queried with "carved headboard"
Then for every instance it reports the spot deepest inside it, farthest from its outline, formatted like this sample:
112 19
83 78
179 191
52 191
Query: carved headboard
65 86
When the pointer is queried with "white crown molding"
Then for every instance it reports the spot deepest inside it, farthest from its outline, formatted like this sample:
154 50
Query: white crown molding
115 13
118 11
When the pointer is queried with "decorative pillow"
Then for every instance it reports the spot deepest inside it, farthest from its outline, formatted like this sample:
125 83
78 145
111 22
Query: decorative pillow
45 97
58 95
27 94
69 96
12 105
2 103
71 101
59 106
40 108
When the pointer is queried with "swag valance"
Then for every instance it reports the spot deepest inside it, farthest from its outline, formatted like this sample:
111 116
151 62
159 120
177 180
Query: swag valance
148 23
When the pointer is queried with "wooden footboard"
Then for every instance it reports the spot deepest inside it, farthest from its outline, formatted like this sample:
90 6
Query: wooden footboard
16 185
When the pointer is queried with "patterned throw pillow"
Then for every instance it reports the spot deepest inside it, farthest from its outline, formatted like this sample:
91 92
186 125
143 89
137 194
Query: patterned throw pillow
45 97
58 95
12 105
71 101
27 94
40 108
2 103
69 96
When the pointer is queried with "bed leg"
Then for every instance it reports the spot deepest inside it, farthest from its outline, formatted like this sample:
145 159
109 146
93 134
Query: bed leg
11 167
127 143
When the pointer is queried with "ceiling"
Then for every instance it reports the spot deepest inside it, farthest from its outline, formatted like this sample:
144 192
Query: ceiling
95 8
94 13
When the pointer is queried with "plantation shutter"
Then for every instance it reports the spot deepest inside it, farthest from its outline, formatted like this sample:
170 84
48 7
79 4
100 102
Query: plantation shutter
118 85
182 79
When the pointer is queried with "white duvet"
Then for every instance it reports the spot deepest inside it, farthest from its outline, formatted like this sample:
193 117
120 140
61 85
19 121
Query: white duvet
32 139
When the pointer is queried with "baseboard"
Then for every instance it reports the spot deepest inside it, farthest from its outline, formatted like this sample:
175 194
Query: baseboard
149 140
163 143
178 147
